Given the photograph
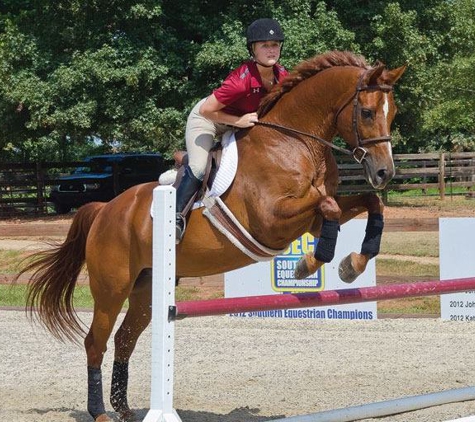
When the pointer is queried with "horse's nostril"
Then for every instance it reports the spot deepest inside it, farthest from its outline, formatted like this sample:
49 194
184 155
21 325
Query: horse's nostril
382 174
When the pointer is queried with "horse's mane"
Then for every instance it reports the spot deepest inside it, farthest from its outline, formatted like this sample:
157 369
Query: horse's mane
305 70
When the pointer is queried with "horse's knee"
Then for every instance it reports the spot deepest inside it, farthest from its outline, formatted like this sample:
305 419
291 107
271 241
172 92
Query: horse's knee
374 204
329 208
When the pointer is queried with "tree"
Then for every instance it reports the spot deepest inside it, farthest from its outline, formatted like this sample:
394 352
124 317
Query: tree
450 119
128 72
72 70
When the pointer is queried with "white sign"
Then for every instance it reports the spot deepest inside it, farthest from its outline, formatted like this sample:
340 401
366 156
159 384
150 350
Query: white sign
457 260
277 277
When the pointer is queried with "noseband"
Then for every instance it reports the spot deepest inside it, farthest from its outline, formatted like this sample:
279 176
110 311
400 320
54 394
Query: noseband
359 153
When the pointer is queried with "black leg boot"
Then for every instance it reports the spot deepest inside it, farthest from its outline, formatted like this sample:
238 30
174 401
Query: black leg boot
188 187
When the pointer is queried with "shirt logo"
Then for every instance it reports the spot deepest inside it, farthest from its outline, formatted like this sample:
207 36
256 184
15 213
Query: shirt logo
255 90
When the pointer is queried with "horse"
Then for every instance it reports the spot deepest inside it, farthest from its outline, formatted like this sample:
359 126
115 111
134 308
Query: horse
285 185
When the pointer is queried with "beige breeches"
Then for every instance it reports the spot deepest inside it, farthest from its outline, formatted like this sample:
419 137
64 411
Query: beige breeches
201 134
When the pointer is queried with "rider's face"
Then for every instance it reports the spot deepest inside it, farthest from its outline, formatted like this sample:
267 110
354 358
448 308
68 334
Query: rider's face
267 52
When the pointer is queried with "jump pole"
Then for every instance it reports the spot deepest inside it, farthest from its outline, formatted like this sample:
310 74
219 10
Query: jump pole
325 298
389 407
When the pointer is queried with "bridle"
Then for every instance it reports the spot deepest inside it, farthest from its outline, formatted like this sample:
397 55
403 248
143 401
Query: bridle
358 153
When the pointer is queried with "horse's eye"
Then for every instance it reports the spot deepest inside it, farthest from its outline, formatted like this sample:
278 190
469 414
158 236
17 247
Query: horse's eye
366 113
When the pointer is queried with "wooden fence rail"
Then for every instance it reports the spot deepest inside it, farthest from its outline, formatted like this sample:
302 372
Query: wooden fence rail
24 187
438 171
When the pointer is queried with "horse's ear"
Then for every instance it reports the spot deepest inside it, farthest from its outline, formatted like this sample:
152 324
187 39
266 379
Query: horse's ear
390 77
371 77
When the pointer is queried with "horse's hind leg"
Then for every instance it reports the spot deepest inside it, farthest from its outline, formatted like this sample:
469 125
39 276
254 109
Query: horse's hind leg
355 263
106 309
136 320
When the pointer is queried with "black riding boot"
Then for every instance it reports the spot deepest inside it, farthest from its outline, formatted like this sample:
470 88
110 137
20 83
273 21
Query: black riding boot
188 186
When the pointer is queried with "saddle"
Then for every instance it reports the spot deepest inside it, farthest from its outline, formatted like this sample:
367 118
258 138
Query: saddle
212 167
216 210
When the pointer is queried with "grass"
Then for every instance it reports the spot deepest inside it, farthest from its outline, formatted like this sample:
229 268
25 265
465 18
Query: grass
411 243
10 260
429 305
14 295
405 268
452 203
408 269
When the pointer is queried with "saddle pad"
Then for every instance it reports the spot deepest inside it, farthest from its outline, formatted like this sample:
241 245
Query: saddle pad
226 172
228 166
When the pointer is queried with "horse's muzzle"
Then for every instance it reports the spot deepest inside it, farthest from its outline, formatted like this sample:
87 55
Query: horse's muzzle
378 176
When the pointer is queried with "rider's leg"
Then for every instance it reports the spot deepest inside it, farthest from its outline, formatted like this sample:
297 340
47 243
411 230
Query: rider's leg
200 135
188 186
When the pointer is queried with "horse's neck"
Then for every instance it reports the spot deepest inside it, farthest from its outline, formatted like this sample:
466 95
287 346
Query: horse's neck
311 105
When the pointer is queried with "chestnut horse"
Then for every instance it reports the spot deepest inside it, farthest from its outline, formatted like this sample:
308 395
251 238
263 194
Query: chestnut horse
286 185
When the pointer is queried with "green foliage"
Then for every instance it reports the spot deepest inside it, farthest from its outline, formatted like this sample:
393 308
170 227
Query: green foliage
449 118
311 29
78 76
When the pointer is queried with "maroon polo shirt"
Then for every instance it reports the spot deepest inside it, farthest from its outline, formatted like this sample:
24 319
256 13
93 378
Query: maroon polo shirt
243 90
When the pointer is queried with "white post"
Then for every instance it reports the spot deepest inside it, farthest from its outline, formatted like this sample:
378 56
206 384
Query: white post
163 297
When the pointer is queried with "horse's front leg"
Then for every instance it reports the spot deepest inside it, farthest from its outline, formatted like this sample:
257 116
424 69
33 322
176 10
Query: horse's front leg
325 250
355 263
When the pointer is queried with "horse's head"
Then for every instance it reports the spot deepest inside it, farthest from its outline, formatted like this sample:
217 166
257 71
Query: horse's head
364 120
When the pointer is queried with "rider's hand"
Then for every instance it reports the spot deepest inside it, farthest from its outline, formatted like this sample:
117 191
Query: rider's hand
247 120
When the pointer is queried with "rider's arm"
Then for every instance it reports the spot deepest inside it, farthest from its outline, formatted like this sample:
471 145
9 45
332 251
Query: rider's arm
212 110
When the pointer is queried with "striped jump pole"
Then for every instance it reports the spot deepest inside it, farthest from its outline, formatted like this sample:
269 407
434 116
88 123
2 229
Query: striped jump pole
325 298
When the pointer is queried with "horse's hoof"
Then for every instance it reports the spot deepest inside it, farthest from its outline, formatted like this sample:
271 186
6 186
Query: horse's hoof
306 266
346 271
103 418
128 416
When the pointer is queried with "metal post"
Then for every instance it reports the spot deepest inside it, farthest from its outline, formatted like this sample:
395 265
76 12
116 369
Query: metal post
163 297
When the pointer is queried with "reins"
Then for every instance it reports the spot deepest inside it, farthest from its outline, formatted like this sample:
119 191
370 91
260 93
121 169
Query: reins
309 135
359 153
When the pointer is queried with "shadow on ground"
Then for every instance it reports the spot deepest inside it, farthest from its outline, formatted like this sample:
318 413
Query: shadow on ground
243 414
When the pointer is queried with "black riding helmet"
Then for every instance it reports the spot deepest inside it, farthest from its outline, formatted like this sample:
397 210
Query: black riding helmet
263 30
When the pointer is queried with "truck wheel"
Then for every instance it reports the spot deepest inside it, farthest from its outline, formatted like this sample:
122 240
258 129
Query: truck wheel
61 208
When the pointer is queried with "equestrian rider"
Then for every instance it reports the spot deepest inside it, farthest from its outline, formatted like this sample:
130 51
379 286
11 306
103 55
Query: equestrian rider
233 104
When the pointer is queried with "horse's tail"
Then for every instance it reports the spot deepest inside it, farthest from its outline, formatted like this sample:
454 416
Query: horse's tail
54 276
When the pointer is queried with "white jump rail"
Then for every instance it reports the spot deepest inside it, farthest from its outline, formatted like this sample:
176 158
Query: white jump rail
163 338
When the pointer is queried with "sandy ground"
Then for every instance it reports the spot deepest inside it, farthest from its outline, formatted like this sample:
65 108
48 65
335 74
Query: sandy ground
235 370
248 370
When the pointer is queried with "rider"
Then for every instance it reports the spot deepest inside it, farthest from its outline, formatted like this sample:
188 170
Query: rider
233 104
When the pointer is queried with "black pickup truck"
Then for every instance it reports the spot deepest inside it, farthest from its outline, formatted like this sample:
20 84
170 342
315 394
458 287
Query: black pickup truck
103 177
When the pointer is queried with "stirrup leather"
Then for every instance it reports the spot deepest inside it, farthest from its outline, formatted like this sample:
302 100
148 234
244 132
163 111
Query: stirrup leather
180 227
